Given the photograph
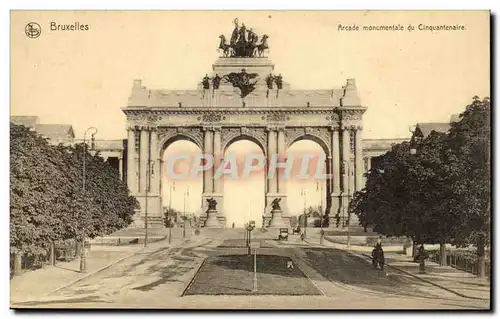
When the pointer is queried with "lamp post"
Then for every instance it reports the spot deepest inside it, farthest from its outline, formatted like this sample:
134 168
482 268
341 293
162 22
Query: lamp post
172 187
413 148
149 172
319 187
304 194
186 195
346 171
413 152
83 259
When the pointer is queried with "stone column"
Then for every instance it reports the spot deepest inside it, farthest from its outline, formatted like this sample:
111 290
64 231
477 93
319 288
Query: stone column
143 156
120 166
335 161
335 195
218 183
271 150
282 158
131 155
217 159
346 170
208 150
155 165
359 159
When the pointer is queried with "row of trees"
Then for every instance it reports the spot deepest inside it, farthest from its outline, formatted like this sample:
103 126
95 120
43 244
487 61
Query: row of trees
441 193
47 201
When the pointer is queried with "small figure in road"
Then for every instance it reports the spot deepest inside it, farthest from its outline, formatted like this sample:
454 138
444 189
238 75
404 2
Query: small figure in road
378 259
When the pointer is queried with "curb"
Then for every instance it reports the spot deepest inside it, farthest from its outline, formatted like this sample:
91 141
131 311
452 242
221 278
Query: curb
92 273
429 282
98 270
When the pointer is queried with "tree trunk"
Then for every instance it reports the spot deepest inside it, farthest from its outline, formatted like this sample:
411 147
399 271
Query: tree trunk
52 254
481 267
78 248
17 264
414 249
442 253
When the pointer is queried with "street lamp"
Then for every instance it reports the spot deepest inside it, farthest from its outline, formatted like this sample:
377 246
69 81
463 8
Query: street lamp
413 148
346 171
149 172
186 195
304 194
319 187
172 187
83 259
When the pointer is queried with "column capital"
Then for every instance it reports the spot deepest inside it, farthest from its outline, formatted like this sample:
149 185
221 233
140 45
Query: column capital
345 128
271 128
209 128
334 128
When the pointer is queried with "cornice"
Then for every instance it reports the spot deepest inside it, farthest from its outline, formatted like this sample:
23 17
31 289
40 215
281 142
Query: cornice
226 111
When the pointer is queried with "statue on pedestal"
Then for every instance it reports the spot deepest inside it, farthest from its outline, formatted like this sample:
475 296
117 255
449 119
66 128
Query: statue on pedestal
212 204
206 82
276 204
212 221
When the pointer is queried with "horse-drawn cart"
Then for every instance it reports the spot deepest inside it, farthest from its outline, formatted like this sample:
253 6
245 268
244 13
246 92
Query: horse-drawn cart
283 235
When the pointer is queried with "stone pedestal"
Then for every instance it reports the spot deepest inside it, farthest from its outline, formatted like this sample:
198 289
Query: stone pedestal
277 220
212 221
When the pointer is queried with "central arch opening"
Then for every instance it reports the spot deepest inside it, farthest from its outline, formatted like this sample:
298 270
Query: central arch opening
181 196
244 196
307 193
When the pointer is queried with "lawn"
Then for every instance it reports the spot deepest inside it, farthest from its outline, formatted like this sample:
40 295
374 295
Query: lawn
233 275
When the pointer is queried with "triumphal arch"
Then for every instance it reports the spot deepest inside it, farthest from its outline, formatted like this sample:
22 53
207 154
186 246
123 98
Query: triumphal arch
243 98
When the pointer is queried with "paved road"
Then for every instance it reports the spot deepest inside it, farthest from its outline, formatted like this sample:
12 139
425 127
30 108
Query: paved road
158 277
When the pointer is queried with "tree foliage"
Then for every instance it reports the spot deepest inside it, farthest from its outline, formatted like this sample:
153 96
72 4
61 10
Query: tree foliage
47 201
440 194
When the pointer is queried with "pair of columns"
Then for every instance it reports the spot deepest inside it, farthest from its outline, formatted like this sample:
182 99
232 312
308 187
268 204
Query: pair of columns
141 152
212 146
276 185
347 171
342 165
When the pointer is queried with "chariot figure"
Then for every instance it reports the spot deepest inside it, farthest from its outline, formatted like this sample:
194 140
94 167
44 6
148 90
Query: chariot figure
242 34
234 36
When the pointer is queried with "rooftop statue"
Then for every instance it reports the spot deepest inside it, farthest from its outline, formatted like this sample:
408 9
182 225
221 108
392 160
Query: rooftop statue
243 43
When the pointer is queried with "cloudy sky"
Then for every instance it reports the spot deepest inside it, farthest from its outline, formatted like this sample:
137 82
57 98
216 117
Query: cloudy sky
84 78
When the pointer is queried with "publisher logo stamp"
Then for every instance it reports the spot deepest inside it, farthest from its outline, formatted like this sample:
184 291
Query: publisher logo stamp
33 30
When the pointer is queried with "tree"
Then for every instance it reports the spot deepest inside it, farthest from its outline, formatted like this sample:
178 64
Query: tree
441 194
405 195
468 155
47 202
38 193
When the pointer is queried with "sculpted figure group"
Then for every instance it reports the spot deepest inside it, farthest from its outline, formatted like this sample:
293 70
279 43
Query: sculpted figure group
243 43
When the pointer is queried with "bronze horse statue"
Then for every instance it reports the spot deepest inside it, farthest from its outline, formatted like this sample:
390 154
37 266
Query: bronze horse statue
263 45
226 48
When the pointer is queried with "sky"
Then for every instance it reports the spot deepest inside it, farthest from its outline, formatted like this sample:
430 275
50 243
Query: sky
84 78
